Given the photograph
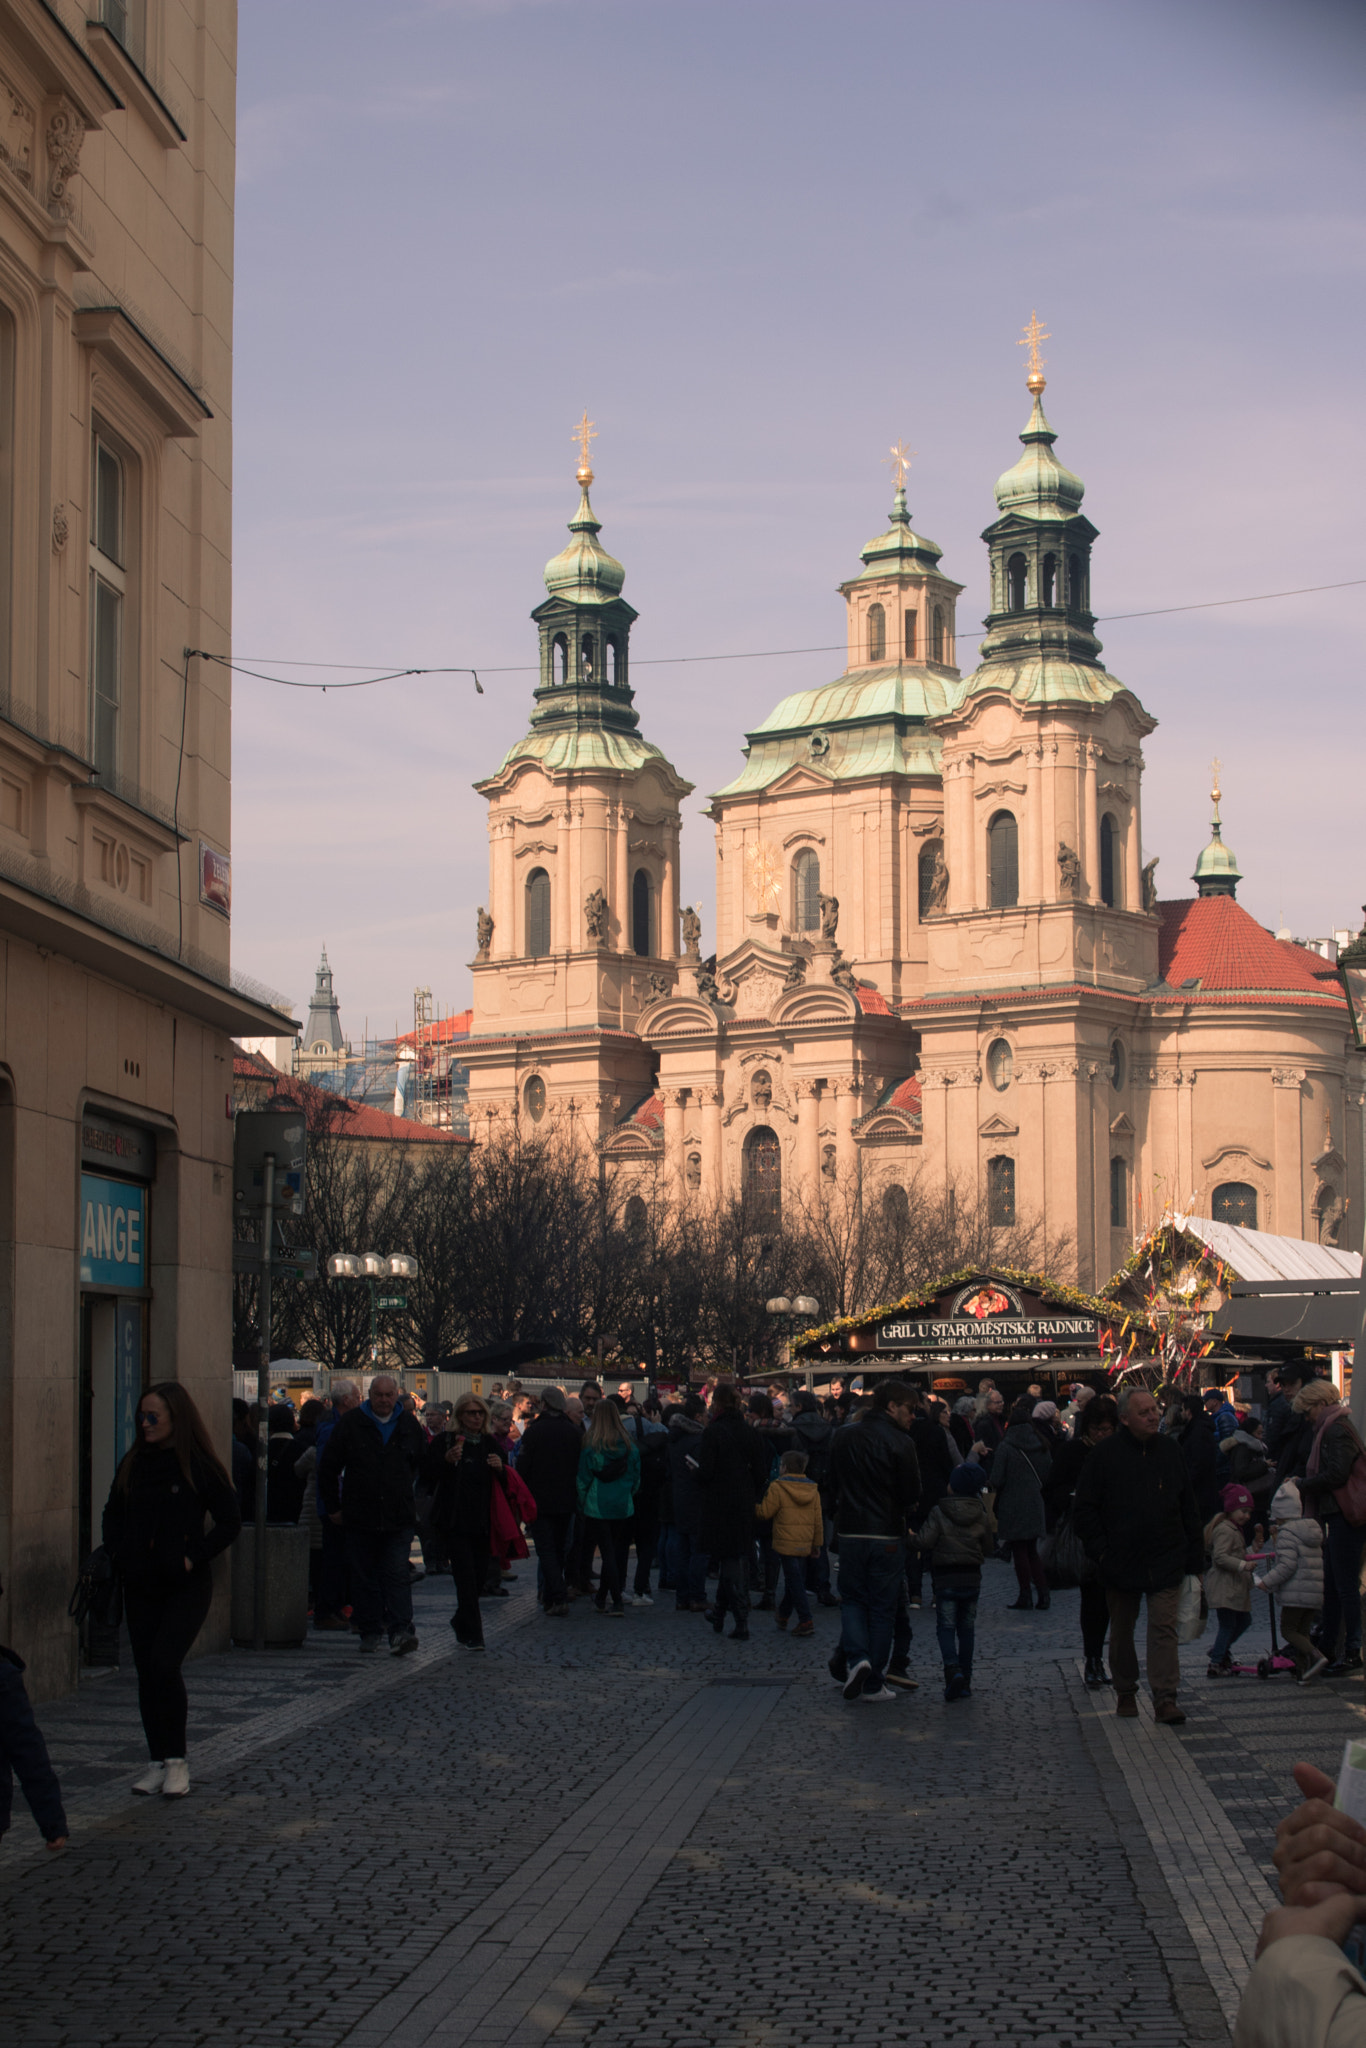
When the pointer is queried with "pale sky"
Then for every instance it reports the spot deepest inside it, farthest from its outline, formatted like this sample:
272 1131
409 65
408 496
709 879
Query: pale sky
759 240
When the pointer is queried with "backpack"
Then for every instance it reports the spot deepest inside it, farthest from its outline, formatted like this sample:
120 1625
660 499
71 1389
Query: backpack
615 1468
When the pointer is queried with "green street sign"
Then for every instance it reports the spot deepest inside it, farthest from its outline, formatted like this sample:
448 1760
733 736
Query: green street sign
392 1301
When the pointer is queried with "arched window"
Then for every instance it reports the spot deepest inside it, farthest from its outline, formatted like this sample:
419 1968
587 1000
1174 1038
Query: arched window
896 1210
533 1098
640 913
1003 851
925 870
613 661
537 912
586 657
1076 582
1118 1065
559 661
1017 574
1119 1194
1000 1064
1109 866
1050 579
877 633
1235 1202
937 633
806 891
1001 1194
635 1218
762 1178
910 636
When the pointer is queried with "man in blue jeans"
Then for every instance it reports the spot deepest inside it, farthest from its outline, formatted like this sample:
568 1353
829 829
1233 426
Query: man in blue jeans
366 1483
875 1478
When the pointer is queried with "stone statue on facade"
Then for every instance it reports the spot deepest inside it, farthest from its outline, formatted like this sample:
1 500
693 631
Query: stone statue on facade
694 1171
659 986
692 933
830 915
595 915
828 1161
762 1091
939 883
1150 883
483 932
796 974
1069 870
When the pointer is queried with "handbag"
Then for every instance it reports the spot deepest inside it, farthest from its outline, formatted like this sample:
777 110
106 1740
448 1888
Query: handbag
1191 1611
1351 1495
98 1592
1064 1555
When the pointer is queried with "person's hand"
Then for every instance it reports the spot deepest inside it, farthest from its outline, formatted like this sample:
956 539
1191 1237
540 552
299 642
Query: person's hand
1320 1853
495 1463
1333 1920
335 1517
189 1564
455 1454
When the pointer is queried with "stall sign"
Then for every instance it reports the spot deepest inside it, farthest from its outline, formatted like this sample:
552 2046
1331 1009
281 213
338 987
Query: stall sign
113 1233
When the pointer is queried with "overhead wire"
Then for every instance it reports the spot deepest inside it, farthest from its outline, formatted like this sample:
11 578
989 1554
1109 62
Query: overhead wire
393 673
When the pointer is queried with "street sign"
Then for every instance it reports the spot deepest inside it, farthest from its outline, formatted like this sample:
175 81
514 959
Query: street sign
256 1132
392 1301
285 1261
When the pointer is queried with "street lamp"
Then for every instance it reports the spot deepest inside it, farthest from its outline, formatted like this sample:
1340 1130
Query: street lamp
374 1270
1352 975
801 1308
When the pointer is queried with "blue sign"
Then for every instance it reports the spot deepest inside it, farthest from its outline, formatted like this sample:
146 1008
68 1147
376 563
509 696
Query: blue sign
113 1233
127 1375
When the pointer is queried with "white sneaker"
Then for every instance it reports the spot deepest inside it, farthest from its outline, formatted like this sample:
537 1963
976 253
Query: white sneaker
639 1600
853 1684
152 1779
1319 1665
177 1778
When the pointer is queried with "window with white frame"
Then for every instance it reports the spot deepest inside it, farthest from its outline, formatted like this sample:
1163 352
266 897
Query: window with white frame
108 602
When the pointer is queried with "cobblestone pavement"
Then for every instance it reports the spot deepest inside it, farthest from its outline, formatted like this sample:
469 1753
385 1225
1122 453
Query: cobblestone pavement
611 1832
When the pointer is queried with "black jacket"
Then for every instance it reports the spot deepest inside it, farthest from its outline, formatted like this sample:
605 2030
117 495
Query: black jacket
875 1477
1295 1444
284 1487
1200 1449
378 1492
733 1462
685 1492
548 1462
1136 1513
935 1460
1339 1449
814 1433
154 1523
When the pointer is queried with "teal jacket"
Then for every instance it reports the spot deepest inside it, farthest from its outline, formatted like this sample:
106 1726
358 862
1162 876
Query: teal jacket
608 1500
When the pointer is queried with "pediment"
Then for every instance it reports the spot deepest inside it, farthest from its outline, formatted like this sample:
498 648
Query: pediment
998 1127
794 780
676 1013
829 1004
1214 1159
1122 1127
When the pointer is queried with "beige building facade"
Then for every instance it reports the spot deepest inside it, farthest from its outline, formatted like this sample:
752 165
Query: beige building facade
941 958
119 1003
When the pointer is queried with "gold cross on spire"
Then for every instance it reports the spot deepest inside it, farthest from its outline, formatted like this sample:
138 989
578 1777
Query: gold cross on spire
583 433
1215 765
899 461
1033 334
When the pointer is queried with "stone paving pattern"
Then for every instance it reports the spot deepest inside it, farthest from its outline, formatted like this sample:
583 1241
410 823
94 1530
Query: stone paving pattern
593 1835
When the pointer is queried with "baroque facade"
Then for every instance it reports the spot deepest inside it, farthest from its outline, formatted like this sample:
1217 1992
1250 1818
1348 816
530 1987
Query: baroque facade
119 1004
940 955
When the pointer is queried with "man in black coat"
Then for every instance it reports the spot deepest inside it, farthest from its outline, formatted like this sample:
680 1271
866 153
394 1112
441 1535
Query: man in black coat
548 1465
366 1481
876 1481
732 1474
1136 1514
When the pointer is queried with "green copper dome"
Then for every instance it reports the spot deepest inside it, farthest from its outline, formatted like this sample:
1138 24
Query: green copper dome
583 572
900 548
1217 872
1038 485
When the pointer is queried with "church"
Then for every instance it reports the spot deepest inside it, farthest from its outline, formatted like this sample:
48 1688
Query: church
939 956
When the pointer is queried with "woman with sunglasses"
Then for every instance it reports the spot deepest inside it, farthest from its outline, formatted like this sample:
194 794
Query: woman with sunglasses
462 1467
154 1531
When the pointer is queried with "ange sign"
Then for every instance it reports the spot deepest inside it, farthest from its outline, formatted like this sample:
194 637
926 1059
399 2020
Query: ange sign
113 1233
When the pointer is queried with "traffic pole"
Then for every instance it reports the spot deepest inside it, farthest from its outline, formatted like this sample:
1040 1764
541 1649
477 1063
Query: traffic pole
258 1636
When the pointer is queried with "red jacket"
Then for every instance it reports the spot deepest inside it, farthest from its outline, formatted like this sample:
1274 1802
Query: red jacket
510 1505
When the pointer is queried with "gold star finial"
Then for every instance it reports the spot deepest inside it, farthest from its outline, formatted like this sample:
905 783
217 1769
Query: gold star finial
1215 792
899 461
1033 334
583 433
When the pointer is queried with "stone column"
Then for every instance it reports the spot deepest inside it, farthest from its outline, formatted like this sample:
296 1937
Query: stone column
673 1140
1048 878
847 1092
1287 1219
668 897
958 836
563 937
1133 861
711 1143
1033 849
1090 859
502 889
621 889
808 1138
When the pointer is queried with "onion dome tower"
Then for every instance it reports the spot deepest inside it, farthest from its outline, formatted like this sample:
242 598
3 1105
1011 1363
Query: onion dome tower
1217 872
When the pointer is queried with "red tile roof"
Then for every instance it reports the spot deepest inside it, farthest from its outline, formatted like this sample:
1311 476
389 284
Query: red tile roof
649 1114
1213 940
906 1095
253 1066
353 1119
872 1002
439 1032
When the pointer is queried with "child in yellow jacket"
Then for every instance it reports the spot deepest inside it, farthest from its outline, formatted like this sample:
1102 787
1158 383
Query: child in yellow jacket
793 1505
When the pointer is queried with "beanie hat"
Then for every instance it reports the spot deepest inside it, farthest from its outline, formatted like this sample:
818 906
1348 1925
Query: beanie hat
1285 1504
553 1399
1046 1411
967 1479
1235 1497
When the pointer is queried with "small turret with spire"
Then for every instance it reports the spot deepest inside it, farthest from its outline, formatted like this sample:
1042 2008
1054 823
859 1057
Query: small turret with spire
585 623
902 605
1217 872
